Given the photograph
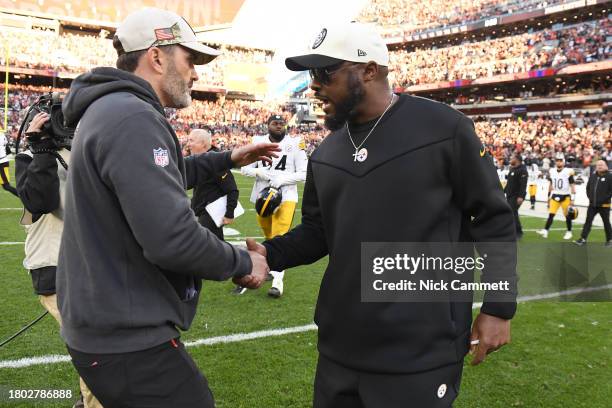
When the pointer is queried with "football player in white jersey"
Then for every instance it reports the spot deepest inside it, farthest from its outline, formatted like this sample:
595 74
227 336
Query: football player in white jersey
5 180
502 172
283 173
562 191
532 182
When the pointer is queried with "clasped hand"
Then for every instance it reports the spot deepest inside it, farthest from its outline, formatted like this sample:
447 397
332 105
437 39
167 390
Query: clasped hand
260 270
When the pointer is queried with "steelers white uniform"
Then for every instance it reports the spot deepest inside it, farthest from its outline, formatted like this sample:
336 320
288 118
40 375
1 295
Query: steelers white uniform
286 170
532 181
290 165
502 174
561 189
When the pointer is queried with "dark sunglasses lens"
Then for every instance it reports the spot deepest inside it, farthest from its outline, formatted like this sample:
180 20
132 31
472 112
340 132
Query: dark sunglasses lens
319 75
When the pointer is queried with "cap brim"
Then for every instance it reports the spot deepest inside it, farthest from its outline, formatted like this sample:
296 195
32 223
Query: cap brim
309 61
204 53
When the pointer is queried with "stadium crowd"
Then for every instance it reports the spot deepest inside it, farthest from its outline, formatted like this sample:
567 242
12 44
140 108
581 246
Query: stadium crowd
577 44
409 16
232 121
582 139
73 53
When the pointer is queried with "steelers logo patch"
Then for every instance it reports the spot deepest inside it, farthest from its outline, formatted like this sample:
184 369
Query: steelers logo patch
319 40
441 390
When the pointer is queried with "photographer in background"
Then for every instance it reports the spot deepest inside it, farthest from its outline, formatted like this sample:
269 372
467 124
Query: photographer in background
5 150
41 178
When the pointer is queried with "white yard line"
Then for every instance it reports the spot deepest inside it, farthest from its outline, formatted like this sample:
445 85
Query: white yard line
11 209
11 243
239 337
556 229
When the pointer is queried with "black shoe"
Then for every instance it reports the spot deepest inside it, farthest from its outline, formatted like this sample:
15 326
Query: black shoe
239 290
608 244
580 242
533 206
274 292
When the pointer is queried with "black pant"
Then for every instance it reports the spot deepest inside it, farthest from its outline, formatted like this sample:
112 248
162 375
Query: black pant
517 221
163 376
605 216
207 222
337 386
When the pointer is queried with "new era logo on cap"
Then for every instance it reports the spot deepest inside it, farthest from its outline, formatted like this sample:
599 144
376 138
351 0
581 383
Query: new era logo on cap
361 53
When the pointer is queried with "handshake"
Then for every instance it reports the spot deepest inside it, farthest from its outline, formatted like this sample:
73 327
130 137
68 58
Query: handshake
260 270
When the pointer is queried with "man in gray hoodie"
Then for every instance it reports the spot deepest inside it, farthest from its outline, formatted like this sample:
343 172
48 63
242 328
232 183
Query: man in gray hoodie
133 255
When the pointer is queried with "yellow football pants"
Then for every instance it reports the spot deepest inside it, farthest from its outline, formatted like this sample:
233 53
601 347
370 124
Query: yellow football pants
278 223
554 205
533 189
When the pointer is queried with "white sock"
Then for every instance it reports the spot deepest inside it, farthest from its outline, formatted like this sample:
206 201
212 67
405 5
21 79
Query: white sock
277 281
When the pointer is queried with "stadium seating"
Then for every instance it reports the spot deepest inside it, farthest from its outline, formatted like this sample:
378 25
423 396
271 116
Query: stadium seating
410 16
582 43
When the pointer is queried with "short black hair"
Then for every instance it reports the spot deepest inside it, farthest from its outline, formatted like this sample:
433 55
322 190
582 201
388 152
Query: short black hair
128 61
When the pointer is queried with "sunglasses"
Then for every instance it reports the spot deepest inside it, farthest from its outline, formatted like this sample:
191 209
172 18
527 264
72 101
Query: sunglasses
324 75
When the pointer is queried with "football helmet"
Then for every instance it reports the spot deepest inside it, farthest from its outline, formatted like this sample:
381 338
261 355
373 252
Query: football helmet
268 201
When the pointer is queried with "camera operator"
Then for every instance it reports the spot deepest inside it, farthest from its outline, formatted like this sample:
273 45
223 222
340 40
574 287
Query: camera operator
41 178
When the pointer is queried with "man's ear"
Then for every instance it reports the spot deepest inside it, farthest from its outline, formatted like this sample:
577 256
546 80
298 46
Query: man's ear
155 59
370 71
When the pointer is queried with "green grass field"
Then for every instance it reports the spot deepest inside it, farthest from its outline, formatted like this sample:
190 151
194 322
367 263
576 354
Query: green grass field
560 353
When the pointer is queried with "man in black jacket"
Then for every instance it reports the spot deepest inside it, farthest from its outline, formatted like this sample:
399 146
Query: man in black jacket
599 192
222 184
516 189
133 256
365 184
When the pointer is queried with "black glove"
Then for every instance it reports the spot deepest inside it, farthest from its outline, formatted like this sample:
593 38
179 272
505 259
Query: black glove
7 149
38 144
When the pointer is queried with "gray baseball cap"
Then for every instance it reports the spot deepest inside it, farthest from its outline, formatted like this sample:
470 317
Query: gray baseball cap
150 27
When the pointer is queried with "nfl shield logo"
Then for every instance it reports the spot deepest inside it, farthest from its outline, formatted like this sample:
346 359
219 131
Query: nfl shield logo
161 157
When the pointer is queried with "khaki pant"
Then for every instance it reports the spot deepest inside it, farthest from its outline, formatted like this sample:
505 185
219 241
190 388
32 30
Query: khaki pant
50 303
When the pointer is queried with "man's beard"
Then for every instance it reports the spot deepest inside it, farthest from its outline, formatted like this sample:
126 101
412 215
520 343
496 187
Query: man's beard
277 136
176 89
345 110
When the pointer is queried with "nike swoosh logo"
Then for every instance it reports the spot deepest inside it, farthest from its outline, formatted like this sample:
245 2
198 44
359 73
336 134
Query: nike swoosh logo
482 152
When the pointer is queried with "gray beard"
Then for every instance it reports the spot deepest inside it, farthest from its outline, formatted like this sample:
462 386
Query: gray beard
177 91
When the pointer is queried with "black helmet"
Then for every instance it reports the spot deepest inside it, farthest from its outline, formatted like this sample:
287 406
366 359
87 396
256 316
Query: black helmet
268 200
572 213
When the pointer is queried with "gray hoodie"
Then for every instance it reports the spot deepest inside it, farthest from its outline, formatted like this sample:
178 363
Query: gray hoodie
132 255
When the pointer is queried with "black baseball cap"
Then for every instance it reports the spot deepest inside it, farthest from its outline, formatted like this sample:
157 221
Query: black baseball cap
275 117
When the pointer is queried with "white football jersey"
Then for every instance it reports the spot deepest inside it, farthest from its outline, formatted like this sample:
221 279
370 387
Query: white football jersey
502 174
561 180
3 143
534 173
291 164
